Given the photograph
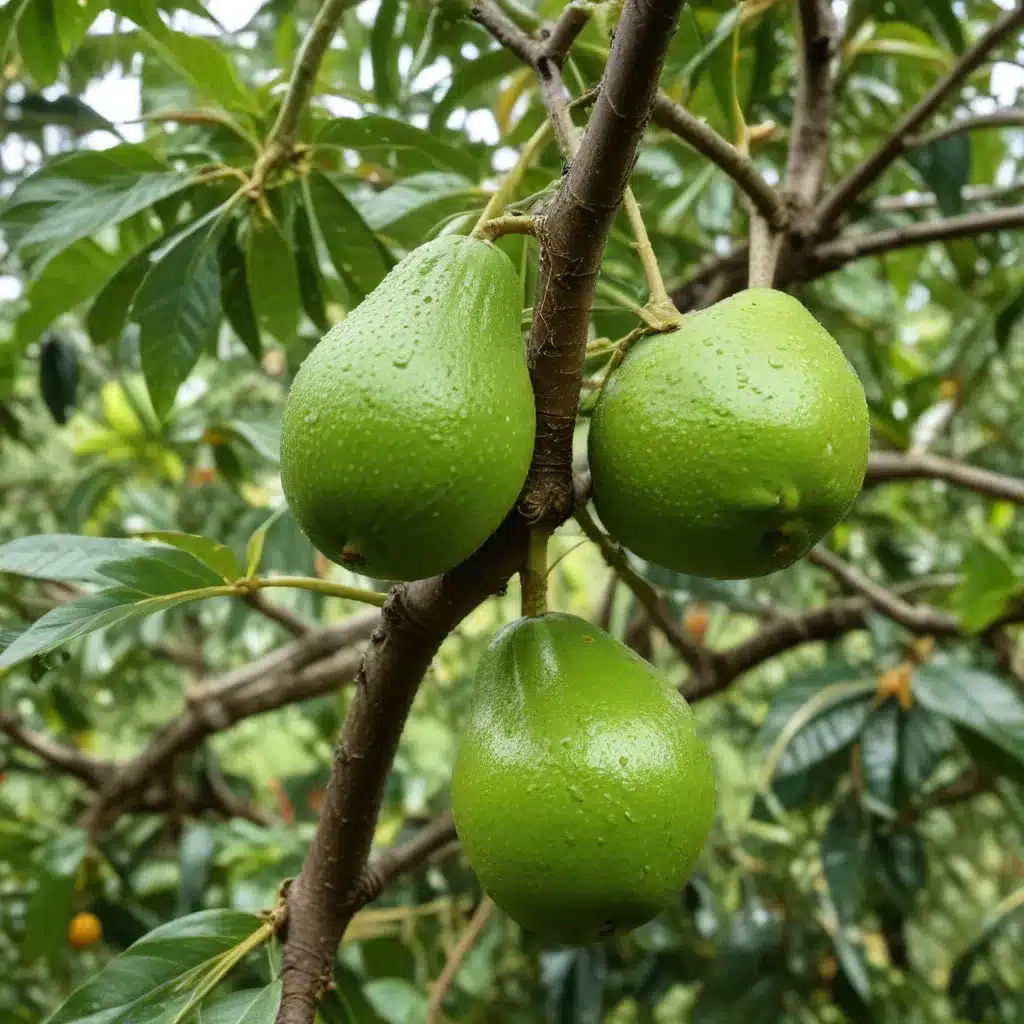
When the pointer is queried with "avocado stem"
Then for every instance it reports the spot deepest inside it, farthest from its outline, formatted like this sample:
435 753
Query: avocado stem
658 301
320 586
510 224
502 195
533 576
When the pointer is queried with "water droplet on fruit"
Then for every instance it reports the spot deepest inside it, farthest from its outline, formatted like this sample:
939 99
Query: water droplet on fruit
310 418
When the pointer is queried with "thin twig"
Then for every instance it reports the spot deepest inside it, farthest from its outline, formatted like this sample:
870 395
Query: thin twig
284 617
1010 117
477 923
886 467
839 199
65 759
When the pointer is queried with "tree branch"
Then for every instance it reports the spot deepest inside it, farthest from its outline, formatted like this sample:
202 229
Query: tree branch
807 161
705 140
576 225
914 202
886 467
965 786
913 617
833 255
1011 117
839 199
699 658
285 618
477 923
65 759
400 860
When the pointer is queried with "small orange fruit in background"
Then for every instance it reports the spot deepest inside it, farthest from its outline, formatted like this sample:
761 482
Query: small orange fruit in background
696 622
84 930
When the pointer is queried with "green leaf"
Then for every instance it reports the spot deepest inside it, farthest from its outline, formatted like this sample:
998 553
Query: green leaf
375 135
273 280
263 436
975 700
220 558
35 111
177 309
204 62
1007 912
162 570
67 558
67 280
924 740
359 257
38 41
52 904
880 749
67 622
311 282
843 853
946 168
384 53
989 581
573 980
254 549
947 21
901 866
851 959
196 866
991 759
108 314
488 68
253 1006
146 971
87 208
396 1000
1007 319
235 295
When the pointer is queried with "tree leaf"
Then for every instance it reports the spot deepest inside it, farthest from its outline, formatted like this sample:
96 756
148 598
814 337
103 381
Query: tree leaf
843 854
58 377
273 280
924 739
67 558
574 980
945 167
67 622
880 750
52 904
38 42
219 557
253 1006
254 549
975 700
177 309
196 851
376 134
901 866
396 1000
851 959
1005 913
1007 319
468 78
109 311
311 282
384 53
162 570
263 436
360 259
989 581
947 21
146 972
236 297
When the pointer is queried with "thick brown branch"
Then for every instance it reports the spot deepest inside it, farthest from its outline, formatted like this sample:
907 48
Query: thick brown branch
839 199
705 140
1011 117
576 225
886 467
807 161
330 889
89 770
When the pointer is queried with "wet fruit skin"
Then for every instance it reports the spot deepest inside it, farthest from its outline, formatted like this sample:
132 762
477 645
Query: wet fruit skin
408 430
582 793
729 447
84 930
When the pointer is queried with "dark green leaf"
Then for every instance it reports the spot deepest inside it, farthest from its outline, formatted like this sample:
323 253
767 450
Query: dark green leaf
108 314
843 850
197 849
975 700
880 748
1007 319
901 868
66 558
1007 913
991 759
468 78
235 295
947 21
574 983
272 279
177 309
52 905
162 570
384 53
357 254
38 41
311 282
145 973
945 167
396 1000
36 110
220 558
851 959
58 377
924 739
381 135
263 436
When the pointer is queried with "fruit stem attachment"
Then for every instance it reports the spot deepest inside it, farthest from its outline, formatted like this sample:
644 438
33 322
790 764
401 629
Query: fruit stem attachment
504 192
533 576
665 316
510 224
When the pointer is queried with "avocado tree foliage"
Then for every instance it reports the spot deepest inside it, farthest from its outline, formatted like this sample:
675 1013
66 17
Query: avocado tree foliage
175 664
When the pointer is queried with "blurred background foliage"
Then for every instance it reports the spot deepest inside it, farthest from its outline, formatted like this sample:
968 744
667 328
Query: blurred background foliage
866 864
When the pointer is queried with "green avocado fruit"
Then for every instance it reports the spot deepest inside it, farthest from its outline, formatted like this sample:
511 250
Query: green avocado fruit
408 430
582 793
730 446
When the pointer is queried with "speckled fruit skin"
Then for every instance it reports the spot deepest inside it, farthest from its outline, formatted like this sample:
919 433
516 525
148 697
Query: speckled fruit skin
582 793
729 447
408 430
